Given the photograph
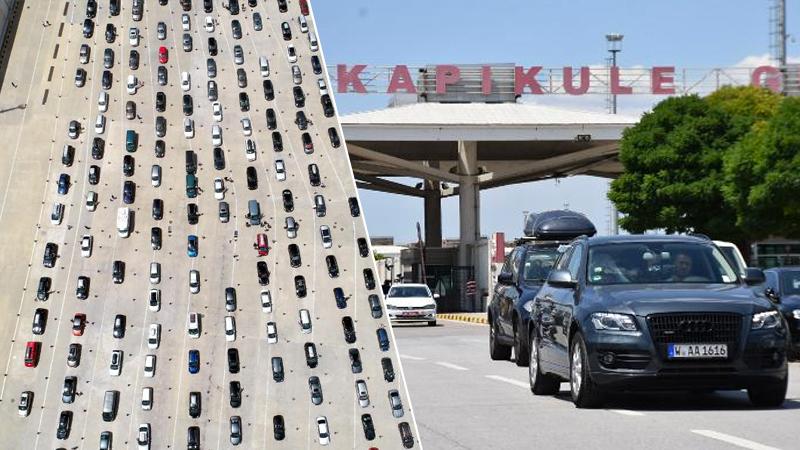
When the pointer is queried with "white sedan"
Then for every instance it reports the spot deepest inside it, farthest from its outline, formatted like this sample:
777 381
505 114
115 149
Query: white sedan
266 301
327 239
86 245
272 333
216 135
280 170
219 189
247 127
133 35
188 128
209 24
186 81
216 111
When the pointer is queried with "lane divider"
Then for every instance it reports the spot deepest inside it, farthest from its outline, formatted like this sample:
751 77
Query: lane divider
733 440
464 317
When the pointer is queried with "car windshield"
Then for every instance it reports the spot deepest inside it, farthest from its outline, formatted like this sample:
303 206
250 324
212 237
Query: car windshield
658 262
538 263
409 291
791 282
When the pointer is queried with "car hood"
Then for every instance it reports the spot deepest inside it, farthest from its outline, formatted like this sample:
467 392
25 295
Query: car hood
409 302
645 300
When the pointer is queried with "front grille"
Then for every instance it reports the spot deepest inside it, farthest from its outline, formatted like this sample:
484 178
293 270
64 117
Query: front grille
695 328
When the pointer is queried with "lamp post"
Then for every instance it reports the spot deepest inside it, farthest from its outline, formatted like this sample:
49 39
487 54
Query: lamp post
614 41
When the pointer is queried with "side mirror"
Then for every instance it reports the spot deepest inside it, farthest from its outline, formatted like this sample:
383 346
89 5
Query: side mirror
753 276
436 296
505 278
772 295
562 279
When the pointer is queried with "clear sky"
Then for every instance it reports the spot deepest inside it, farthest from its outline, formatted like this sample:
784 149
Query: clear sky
552 33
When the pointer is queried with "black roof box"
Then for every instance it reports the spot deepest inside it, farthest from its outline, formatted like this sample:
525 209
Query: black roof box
558 225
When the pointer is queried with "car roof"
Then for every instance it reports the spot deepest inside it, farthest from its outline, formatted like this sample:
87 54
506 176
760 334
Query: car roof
783 269
646 238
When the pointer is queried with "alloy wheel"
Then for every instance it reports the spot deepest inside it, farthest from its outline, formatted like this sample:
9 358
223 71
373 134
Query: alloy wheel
533 363
576 374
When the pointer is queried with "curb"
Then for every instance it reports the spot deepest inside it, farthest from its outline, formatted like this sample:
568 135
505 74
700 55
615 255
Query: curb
472 318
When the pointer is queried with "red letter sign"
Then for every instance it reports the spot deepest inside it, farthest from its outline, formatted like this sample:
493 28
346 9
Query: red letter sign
347 78
523 79
446 74
661 76
401 79
772 78
572 90
615 87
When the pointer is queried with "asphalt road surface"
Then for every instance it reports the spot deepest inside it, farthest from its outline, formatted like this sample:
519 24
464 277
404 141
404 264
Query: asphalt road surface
466 401
39 98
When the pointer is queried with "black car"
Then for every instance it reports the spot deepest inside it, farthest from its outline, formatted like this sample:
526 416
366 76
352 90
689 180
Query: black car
106 80
355 360
88 28
525 270
111 33
233 360
186 5
252 3
375 306
388 369
300 286
195 404
133 60
50 255
258 24
68 390
301 120
128 164
161 101
654 312
39 321
313 174
269 90
161 73
161 126
91 9
277 141
98 148
63 184
369 279
108 58
327 106
244 102
211 68
282 6
277 369
158 209
278 427
294 255
252 178
118 272
82 290
286 31
272 120
311 354
333 266
160 148
193 436
349 330
405 435
236 394
94 174
208 6
118 330
113 7
241 78
188 105
783 288
192 213
299 97
333 135
288 200
263 273
369 427
341 300
236 29
155 238
316 65
363 248
212 46
64 425
43 290
219 158
315 388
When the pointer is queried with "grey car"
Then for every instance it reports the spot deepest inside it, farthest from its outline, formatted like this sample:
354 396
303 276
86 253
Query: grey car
187 42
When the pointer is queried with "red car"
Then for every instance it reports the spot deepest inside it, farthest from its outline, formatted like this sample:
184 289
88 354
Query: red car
78 324
163 57
304 7
32 354
261 244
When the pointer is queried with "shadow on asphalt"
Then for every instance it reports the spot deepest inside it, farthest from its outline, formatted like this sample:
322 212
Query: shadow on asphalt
682 401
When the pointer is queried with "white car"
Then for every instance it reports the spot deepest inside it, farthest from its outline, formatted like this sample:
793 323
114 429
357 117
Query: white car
149 366
115 368
133 36
143 437
102 101
188 128
280 170
100 124
91 200
272 333
186 22
194 281
266 301
327 239
291 53
209 24
230 329
133 84
58 214
323 88
250 150
87 243
155 272
216 111
362 394
154 336
193 327
323 431
291 227
154 301
219 189
301 20
305 321
247 127
186 81
411 303
216 135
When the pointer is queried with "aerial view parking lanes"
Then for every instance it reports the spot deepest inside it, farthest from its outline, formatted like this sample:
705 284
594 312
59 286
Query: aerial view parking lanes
184 304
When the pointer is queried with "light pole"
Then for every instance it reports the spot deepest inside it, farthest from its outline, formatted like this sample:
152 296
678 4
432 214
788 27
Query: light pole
614 41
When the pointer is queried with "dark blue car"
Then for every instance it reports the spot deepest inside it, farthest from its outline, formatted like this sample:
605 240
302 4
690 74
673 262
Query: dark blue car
783 287
341 301
63 184
383 339
194 361
192 248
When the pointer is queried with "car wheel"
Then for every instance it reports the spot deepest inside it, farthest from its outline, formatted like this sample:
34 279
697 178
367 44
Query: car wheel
432 323
769 396
541 384
585 393
521 354
497 351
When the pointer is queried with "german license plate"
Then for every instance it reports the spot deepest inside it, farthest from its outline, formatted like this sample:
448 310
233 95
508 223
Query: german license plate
697 351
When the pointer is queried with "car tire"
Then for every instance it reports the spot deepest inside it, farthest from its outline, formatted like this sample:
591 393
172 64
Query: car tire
585 393
497 351
521 353
541 384
432 323
769 396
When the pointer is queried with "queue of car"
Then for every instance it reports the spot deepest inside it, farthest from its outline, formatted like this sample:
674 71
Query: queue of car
153 335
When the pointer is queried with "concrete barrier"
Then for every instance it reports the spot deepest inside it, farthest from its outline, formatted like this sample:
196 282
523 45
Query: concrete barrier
464 317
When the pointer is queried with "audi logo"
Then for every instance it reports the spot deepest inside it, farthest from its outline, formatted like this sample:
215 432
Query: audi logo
695 326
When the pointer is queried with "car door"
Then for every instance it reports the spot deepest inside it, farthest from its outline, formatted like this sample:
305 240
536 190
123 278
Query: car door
544 315
500 296
564 301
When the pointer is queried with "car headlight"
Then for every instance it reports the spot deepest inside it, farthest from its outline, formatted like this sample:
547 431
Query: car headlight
614 322
796 314
766 320
389 306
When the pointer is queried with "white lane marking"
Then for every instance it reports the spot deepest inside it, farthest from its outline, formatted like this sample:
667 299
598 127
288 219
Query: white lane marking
450 366
625 412
412 358
508 380
733 440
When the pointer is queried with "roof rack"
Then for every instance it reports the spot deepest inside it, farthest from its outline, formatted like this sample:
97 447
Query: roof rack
557 225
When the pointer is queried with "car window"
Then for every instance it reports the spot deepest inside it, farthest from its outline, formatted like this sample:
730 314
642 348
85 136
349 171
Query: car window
563 261
771 281
539 261
791 283
575 262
